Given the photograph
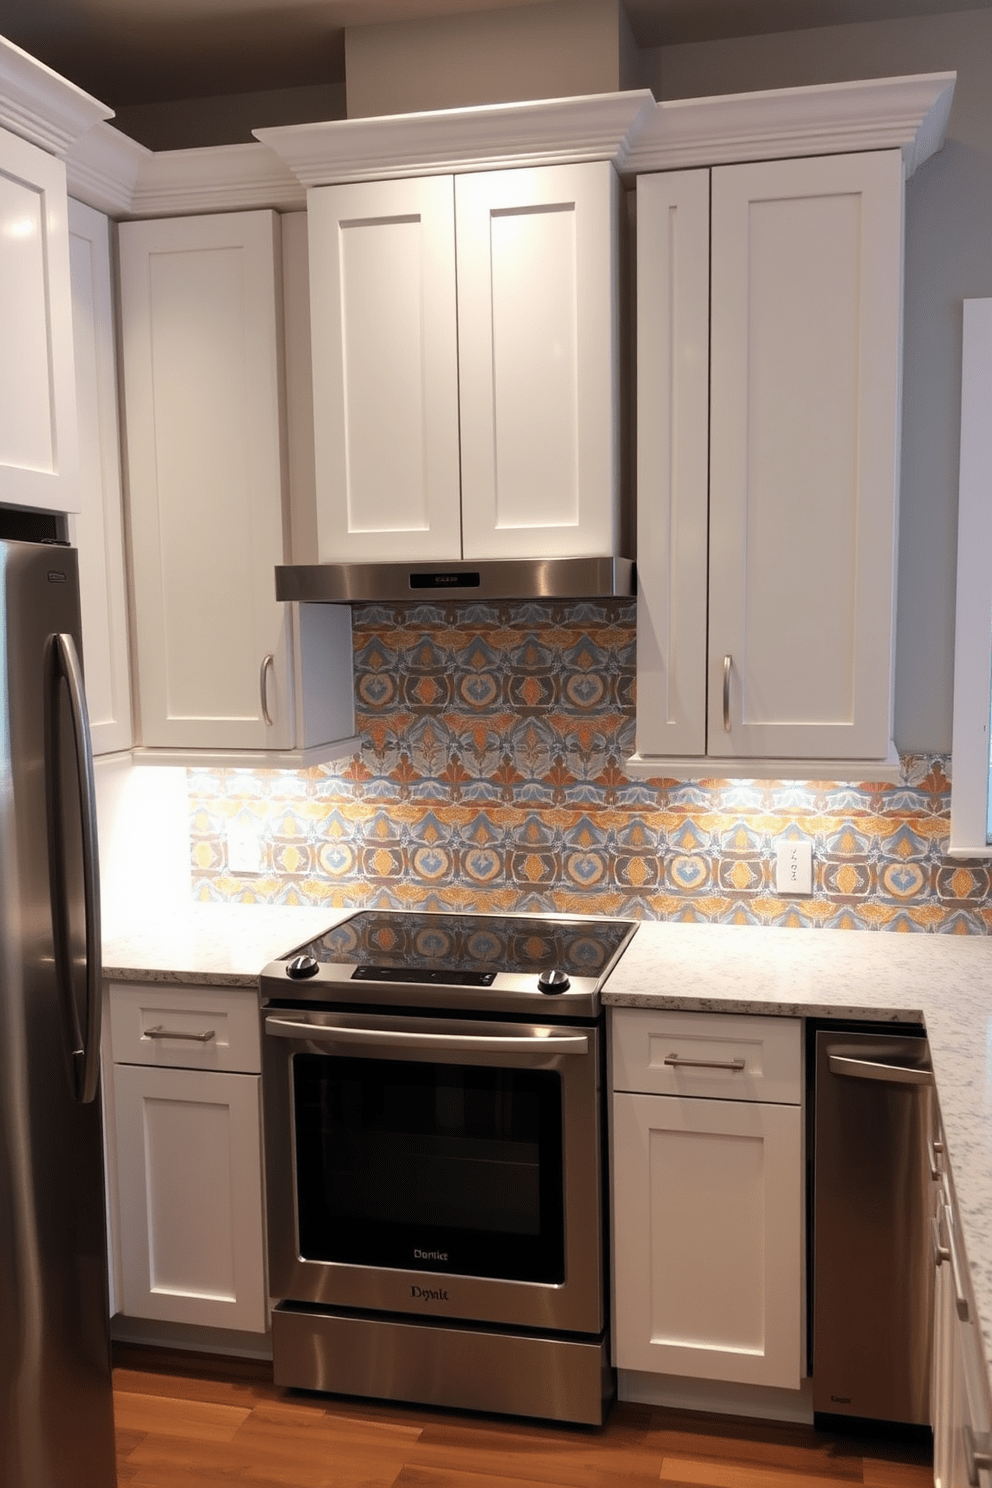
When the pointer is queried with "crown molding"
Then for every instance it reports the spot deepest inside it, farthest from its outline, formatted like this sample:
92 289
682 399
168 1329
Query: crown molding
102 169
114 174
905 113
108 171
40 106
223 178
495 136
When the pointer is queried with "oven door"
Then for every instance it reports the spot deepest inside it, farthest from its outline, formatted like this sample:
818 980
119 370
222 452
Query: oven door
440 1167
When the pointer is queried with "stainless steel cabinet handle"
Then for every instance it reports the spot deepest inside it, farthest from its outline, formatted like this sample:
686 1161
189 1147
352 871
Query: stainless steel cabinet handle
948 1252
555 1043
677 1062
977 1453
727 663
263 676
62 664
872 1069
935 1151
160 1032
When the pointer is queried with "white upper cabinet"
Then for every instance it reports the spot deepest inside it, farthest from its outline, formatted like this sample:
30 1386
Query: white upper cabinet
465 365
385 369
98 528
37 387
538 361
788 663
217 668
673 302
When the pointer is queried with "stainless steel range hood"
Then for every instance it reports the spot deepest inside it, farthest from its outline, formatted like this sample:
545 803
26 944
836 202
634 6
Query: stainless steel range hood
497 578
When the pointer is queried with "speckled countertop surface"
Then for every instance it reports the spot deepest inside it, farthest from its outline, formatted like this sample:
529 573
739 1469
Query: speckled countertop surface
210 945
945 980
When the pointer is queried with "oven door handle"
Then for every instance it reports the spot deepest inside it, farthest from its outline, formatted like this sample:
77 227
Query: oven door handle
550 1043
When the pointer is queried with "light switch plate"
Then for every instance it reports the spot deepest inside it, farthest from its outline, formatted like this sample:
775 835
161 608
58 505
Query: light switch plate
794 867
244 850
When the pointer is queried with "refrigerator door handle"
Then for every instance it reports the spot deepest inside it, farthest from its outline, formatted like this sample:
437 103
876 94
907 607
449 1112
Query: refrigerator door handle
62 663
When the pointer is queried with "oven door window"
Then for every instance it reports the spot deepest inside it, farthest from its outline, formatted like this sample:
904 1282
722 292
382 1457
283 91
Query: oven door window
430 1167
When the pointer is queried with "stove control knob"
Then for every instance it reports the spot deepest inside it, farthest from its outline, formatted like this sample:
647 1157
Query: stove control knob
553 980
301 967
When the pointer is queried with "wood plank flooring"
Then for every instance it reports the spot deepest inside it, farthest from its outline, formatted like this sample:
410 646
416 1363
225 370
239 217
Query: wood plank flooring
185 1421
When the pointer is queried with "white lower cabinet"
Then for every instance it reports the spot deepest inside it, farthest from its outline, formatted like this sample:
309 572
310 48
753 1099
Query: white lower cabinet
188 1156
707 1201
962 1410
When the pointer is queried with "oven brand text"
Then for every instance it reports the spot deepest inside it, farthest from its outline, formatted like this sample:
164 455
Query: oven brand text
429 1294
430 1255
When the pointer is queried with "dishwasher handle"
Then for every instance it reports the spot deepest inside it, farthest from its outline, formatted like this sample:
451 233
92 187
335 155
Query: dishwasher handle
876 1069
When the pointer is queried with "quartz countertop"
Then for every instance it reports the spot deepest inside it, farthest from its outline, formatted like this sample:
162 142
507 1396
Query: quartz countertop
943 980
216 945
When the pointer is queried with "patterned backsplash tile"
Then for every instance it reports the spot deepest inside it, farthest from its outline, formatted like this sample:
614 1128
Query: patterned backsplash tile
491 778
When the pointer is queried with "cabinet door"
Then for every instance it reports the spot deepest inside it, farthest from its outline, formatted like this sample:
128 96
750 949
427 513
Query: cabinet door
190 1196
98 529
960 1395
673 307
385 370
203 404
37 387
707 1215
806 315
538 360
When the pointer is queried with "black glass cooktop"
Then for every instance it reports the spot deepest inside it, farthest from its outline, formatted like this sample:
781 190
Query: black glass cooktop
475 948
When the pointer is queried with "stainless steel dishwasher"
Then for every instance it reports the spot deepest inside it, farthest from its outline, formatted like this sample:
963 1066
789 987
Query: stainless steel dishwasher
872 1268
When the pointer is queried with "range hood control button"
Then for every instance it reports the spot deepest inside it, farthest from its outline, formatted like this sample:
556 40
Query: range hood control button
553 980
301 967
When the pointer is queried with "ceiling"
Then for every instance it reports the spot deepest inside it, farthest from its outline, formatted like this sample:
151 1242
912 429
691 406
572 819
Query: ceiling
129 52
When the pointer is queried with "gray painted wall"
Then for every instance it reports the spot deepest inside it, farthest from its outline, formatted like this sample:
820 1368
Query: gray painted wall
948 259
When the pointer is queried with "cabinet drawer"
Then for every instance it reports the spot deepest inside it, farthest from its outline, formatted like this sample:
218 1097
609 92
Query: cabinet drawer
708 1054
212 1028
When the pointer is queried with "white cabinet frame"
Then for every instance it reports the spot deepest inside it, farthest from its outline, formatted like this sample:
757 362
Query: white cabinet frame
98 529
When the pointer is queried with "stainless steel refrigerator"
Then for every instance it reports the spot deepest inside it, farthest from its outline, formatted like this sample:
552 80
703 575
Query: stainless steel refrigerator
56 1407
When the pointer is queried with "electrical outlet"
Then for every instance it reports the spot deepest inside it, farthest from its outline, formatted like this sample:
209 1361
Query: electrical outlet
244 850
794 867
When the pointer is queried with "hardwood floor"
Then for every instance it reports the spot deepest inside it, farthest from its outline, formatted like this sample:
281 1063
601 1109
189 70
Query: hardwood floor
191 1422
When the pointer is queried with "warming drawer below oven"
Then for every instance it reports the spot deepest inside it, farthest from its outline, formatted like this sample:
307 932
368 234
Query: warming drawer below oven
458 1367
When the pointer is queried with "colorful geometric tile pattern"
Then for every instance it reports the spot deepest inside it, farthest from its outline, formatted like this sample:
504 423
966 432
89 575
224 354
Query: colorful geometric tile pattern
491 779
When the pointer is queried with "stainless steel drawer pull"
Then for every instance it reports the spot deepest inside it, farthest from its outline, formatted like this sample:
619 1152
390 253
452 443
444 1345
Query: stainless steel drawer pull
873 1069
677 1062
263 691
168 1033
948 1252
977 1453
